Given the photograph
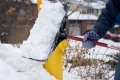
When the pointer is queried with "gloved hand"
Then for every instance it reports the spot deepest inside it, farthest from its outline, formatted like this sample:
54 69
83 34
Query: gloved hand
88 38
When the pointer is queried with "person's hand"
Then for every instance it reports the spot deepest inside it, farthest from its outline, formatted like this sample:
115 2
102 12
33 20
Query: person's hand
88 38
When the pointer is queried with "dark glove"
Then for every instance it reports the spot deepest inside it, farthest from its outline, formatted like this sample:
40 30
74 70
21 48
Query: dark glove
88 38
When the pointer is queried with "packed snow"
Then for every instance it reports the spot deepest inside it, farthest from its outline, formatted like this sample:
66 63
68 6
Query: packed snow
39 43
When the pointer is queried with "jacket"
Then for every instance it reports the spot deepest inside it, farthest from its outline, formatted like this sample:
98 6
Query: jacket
108 18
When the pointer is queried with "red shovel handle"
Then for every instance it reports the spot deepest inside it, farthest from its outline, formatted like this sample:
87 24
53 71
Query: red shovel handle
96 43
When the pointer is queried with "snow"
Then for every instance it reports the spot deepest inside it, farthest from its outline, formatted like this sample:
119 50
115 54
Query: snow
34 1
98 52
94 4
15 67
109 42
8 73
116 26
39 43
77 16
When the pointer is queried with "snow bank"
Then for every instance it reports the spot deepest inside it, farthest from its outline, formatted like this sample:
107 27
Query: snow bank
14 67
8 73
7 51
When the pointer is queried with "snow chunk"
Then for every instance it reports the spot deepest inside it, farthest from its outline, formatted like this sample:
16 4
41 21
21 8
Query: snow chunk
42 34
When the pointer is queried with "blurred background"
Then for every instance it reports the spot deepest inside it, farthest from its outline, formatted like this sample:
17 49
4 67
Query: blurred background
17 17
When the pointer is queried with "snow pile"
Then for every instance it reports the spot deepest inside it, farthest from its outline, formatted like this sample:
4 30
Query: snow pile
42 34
14 67
8 73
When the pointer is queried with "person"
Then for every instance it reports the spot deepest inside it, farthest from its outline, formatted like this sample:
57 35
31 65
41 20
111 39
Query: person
106 21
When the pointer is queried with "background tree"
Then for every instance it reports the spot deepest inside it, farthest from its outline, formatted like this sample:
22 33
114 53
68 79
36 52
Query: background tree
14 13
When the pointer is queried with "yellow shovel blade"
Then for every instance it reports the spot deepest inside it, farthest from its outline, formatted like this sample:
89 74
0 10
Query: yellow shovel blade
54 64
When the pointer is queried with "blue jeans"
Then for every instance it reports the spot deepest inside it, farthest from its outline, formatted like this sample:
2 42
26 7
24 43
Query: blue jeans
117 71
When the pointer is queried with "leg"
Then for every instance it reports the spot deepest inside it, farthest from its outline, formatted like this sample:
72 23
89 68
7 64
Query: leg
117 71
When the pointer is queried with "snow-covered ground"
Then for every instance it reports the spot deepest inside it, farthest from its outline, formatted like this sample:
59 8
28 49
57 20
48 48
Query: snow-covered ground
83 73
14 67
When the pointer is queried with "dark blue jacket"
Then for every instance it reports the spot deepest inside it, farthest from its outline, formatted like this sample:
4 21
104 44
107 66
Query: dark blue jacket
109 17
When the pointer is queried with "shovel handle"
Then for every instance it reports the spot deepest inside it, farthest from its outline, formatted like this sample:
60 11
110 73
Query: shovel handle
96 43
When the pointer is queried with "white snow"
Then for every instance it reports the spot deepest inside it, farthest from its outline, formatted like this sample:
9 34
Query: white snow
34 1
77 16
38 44
14 67
98 52
8 73
95 5
92 4
116 26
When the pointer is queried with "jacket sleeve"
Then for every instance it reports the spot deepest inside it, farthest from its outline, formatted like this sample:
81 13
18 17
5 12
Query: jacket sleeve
117 3
106 20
